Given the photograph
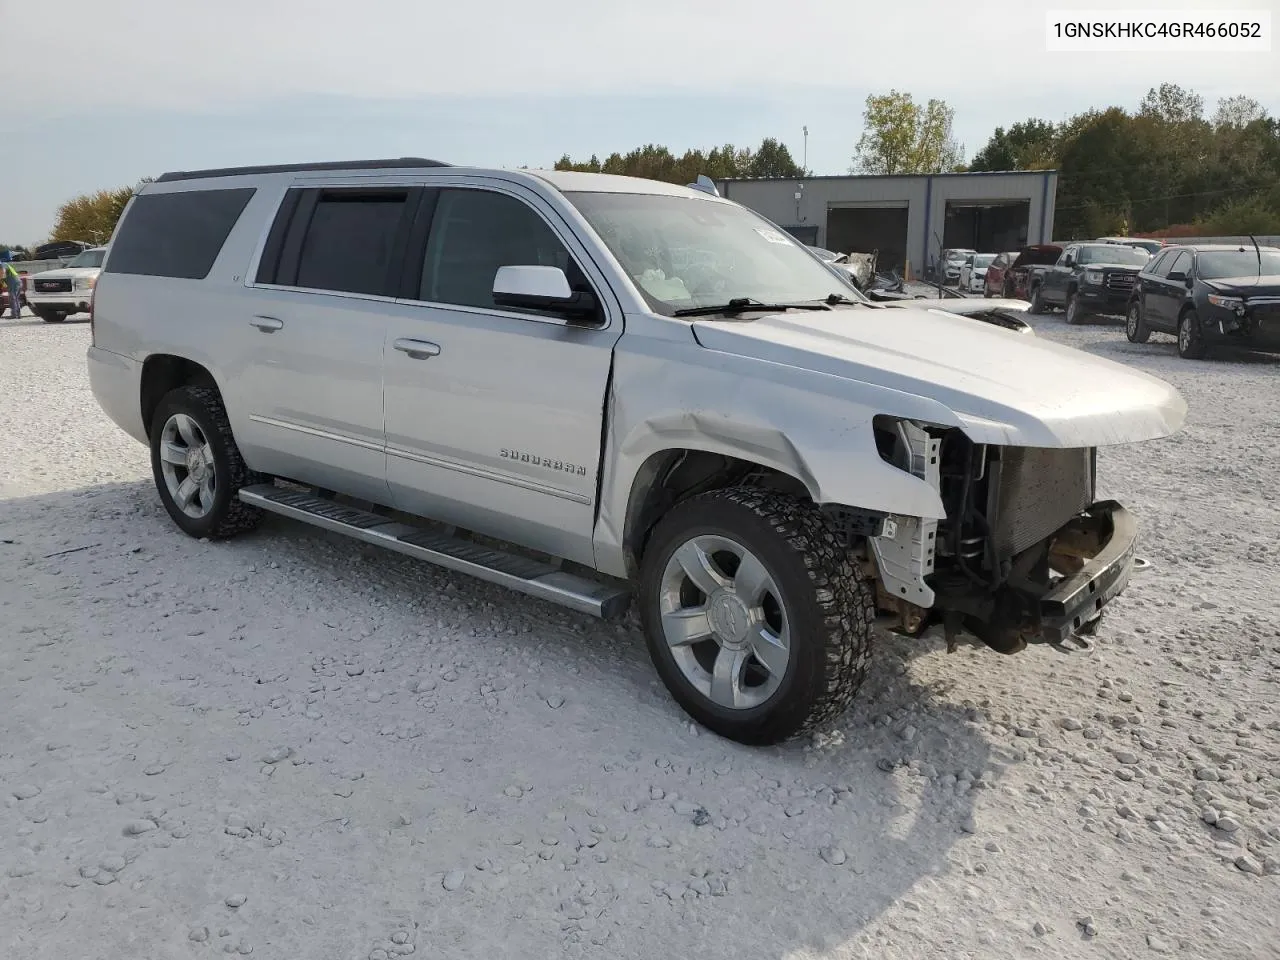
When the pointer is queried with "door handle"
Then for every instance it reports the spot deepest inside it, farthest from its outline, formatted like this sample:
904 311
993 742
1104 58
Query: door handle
417 349
267 324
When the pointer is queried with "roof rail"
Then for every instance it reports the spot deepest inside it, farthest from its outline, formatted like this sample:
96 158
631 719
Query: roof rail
390 164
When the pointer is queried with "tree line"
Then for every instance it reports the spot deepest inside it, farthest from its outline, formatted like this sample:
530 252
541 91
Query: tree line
1165 168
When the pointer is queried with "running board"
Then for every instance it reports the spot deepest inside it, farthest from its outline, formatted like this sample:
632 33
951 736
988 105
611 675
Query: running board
535 578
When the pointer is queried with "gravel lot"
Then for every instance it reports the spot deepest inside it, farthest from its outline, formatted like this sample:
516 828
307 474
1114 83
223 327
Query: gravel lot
293 746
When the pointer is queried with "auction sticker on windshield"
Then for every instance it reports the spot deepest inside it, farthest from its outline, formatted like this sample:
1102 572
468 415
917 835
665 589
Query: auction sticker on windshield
773 236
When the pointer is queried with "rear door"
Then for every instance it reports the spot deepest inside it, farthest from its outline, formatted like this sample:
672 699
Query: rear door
1164 301
1147 288
494 416
311 365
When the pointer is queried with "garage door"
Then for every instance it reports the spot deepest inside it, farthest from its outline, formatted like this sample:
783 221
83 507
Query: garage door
863 229
987 227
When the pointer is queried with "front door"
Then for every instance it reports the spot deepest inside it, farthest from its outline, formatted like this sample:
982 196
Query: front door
494 416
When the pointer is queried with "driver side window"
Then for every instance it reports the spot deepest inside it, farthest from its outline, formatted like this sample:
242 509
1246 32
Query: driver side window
1181 264
473 233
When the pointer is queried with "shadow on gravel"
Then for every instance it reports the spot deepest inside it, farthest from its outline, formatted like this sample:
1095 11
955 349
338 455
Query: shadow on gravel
822 837
27 321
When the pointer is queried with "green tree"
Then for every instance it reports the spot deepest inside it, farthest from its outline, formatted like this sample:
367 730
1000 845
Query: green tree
1170 103
773 160
91 217
1239 112
1027 145
655 162
902 136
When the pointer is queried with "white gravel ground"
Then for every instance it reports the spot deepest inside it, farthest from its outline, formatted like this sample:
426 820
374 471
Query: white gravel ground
292 746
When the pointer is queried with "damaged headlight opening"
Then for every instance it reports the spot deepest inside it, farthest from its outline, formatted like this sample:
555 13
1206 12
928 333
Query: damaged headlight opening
990 560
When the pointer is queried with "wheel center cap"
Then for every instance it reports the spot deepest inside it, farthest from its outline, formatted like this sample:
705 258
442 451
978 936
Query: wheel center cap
729 617
195 465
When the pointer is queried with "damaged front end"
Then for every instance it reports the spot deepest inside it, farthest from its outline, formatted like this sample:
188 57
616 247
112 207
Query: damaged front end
1025 554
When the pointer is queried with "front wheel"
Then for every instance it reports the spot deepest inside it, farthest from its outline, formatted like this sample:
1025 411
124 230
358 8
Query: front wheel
1135 327
756 620
197 466
1075 313
1190 339
52 316
1037 301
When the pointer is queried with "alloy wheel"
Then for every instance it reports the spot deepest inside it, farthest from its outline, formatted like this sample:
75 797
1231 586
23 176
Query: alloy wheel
186 461
724 620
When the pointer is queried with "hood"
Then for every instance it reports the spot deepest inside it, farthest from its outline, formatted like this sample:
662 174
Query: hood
965 306
1246 286
1003 388
63 273
1121 267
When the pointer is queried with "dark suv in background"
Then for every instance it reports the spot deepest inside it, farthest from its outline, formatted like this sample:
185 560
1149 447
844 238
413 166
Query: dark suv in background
1209 295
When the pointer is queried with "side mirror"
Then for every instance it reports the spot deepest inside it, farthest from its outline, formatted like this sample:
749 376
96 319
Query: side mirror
542 288
1177 276
1069 262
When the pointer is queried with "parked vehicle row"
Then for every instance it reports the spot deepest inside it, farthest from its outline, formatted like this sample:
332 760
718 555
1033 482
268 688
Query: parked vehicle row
1205 295
757 458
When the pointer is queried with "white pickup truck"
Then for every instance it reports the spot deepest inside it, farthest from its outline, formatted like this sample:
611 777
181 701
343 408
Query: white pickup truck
56 294
647 394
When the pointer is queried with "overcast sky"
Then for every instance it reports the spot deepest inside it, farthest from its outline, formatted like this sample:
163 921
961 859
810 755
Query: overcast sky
98 93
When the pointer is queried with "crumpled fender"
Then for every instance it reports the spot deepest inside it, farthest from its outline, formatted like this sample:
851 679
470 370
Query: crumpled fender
669 395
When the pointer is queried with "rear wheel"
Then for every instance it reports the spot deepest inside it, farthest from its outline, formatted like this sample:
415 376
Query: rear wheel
197 466
756 620
1135 327
1190 340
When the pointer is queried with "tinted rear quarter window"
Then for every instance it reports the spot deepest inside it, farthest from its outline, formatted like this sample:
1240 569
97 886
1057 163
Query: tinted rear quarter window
176 234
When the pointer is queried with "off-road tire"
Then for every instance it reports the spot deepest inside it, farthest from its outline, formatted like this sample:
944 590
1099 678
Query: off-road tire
1037 301
229 515
1135 325
831 606
1191 344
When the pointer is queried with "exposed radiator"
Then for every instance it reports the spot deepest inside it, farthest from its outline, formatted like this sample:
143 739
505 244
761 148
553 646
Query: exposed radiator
1035 491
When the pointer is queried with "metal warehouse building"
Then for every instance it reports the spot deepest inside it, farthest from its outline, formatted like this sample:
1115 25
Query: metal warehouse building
908 218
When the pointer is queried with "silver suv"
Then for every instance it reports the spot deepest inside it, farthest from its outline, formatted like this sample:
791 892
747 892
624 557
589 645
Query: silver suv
644 392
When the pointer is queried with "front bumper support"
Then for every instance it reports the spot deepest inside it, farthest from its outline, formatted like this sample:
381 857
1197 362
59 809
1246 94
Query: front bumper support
1079 598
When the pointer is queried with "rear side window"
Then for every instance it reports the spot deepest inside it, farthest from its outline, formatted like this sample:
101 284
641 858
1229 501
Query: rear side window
350 240
176 234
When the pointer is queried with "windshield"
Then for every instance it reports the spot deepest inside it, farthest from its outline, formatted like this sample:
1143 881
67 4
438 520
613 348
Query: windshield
90 258
827 255
957 255
686 252
1237 263
984 259
1113 253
